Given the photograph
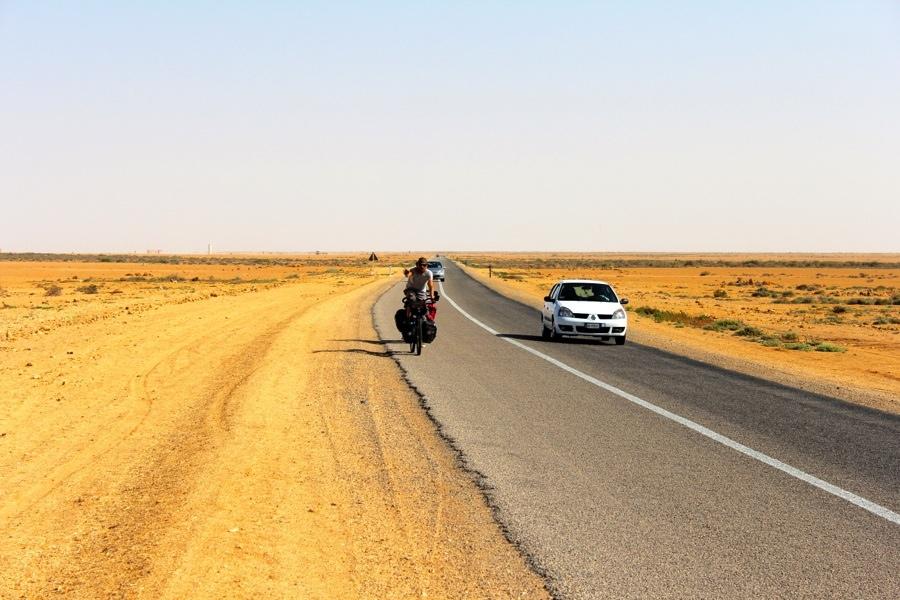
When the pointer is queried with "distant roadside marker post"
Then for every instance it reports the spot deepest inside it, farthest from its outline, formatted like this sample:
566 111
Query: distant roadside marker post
490 271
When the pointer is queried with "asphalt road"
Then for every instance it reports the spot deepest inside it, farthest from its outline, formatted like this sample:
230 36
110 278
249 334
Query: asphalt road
612 500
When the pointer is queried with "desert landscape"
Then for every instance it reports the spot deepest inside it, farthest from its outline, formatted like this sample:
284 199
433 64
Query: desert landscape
225 427
827 323
226 372
216 426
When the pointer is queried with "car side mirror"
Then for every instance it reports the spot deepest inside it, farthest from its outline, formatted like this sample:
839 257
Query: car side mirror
623 301
548 299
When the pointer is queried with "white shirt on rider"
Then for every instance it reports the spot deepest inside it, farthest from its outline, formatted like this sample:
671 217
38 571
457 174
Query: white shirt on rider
418 282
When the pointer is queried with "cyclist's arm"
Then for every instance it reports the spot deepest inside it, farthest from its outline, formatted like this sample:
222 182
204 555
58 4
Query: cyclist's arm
431 288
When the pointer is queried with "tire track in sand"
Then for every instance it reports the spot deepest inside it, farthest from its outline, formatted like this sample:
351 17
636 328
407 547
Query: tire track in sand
231 488
120 548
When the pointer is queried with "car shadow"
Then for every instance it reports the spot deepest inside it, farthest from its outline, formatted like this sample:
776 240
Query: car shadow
537 338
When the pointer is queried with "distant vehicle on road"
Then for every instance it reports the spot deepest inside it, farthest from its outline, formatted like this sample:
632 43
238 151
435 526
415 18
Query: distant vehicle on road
437 269
576 307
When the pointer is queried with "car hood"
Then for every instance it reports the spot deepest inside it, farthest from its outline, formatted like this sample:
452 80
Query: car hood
591 308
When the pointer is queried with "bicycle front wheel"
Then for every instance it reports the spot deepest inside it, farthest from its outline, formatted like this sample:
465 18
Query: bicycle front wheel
419 335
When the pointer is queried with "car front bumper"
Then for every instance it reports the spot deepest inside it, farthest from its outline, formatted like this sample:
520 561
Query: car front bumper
605 328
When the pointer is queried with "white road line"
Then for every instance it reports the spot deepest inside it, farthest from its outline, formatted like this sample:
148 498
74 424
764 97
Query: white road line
859 501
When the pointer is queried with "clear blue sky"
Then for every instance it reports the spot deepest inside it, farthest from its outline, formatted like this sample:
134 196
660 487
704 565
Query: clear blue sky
606 126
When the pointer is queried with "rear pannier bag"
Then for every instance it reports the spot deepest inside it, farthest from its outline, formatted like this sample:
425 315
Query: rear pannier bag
429 331
400 321
405 327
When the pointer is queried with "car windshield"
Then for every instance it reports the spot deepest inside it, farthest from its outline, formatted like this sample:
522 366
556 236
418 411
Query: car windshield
435 265
587 292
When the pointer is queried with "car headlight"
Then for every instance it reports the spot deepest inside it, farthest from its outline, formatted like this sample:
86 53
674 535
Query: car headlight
619 314
564 312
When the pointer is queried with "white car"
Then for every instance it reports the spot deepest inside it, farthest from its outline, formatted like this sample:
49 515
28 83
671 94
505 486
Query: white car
584 307
437 270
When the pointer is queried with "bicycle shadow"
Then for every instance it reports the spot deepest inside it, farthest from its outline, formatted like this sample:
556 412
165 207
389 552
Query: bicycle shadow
375 342
385 354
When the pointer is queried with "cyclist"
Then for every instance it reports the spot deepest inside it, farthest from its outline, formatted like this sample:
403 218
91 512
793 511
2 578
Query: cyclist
420 281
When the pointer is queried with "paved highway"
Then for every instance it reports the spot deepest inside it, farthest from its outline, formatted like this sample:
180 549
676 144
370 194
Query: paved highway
628 472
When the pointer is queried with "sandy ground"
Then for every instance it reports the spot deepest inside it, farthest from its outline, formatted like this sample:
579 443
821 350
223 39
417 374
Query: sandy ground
255 443
866 372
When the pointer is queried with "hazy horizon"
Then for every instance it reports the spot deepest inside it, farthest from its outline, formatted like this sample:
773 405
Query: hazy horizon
382 252
583 127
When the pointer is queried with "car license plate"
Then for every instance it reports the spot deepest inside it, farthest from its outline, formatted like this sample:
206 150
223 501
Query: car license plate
592 325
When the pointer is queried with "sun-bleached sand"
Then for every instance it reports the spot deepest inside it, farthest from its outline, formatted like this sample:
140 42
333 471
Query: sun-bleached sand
178 432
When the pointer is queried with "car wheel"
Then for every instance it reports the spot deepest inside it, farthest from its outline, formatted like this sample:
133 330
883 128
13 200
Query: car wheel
545 331
553 334
620 341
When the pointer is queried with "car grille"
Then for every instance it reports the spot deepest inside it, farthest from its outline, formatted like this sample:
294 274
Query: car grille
586 315
583 329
